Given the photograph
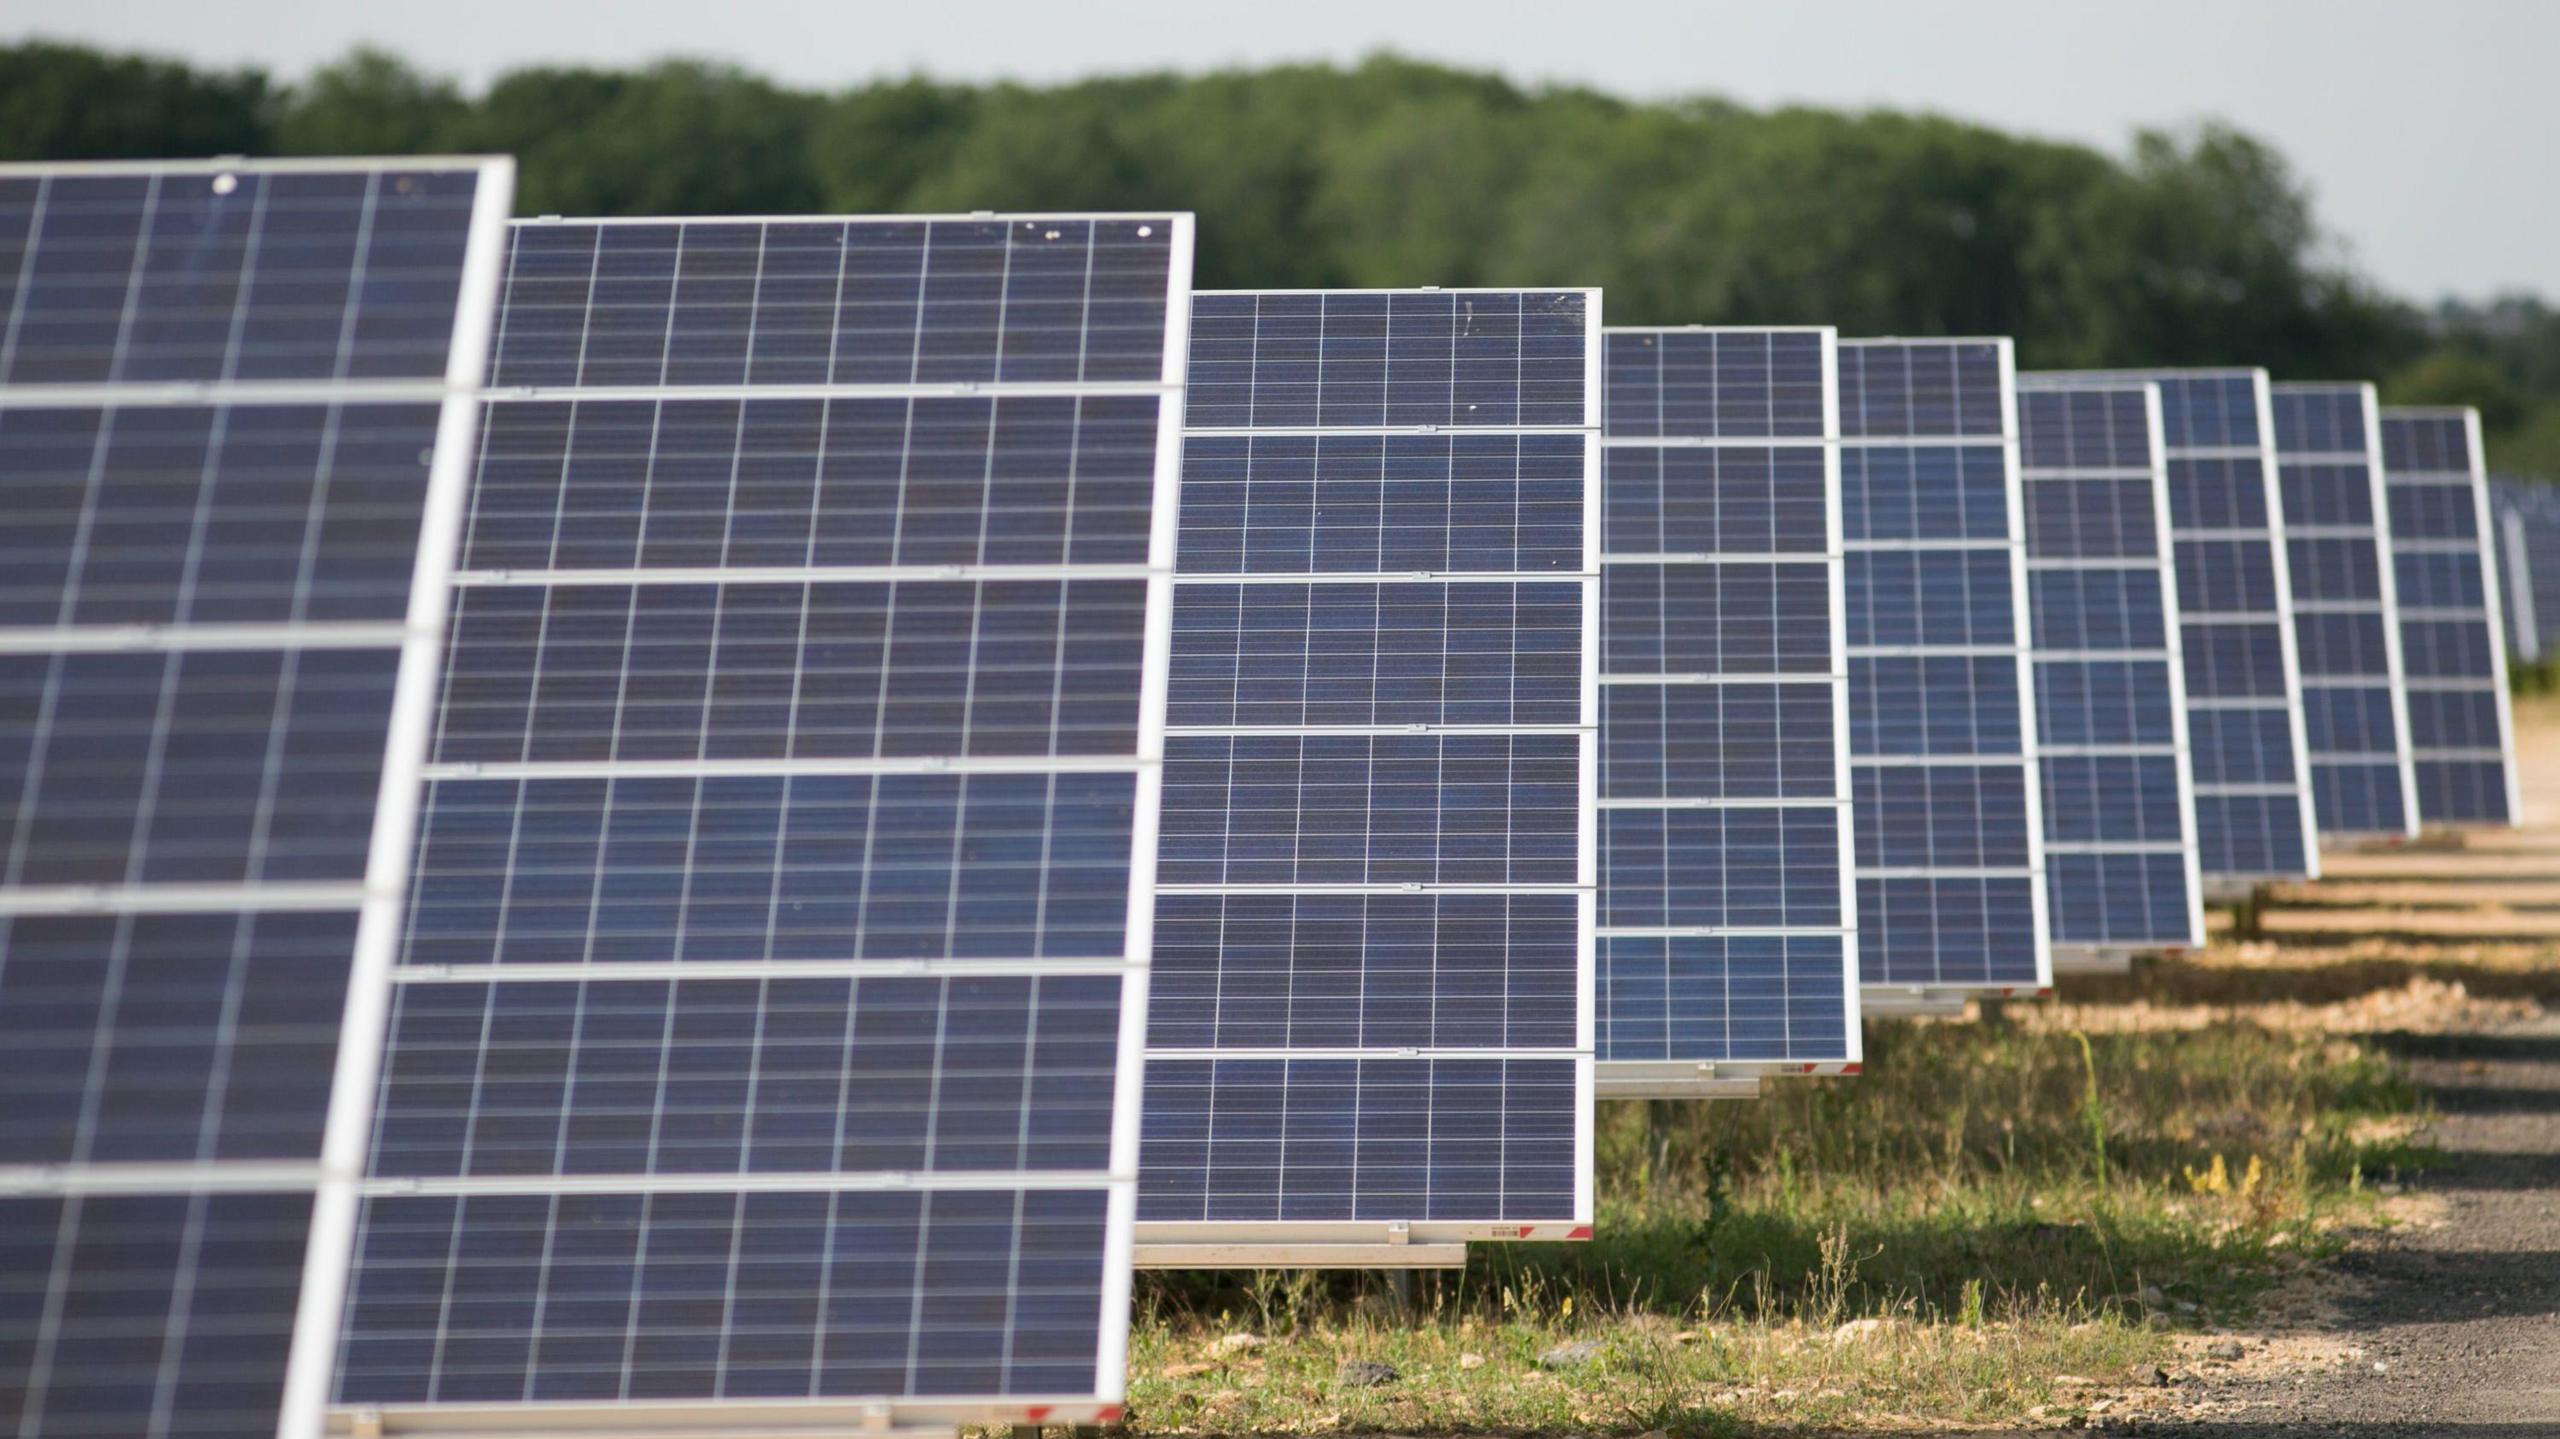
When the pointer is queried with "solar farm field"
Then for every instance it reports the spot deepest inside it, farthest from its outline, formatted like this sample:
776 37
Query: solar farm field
2044 1211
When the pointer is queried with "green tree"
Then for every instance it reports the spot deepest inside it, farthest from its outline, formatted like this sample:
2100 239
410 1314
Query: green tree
2453 377
677 139
63 102
370 103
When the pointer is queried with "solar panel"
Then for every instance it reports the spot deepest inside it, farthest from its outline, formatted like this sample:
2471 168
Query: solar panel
2345 619
1370 1019
2111 720
1949 829
1727 923
2461 733
236 409
2525 517
2250 746
762 1050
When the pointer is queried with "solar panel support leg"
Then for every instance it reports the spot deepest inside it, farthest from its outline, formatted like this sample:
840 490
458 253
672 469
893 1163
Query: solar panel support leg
1026 1431
2248 914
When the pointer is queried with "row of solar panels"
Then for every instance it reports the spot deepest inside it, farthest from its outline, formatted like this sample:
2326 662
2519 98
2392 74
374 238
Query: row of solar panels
719 824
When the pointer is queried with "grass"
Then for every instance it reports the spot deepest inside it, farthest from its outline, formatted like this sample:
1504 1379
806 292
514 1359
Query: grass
1993 1211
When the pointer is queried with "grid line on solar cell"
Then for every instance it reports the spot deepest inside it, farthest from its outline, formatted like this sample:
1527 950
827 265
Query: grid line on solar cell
1948 829
647 671
238 394
791 773
1725 915
628 1297
231 273
2111 723
837 302
2346 614
2461 732
1376 841
2243 677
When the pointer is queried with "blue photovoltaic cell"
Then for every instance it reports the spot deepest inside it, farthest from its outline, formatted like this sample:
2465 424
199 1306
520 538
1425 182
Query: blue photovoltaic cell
1365 971
225 273
1724 919
160 515
1277 1140
701 868
214 1036
1395 359
2236 630
162 1314
211 766
779 828
676 483
867 670
1701 383
2346 618
209 560
764 1075
2462 739
2111 740
722 1294
1331 653
1949 851
1429 810
816 302
1373 855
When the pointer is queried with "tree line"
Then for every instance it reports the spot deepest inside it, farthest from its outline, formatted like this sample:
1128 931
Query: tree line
2193 247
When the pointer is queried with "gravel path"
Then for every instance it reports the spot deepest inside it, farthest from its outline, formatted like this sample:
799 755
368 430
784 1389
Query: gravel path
2452 1328
2461 1320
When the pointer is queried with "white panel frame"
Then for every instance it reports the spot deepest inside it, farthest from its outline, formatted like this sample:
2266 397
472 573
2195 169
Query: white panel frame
1947 998
925 1414
1418 1243
2369 408
2222 886
313 1360
1725 1078
378 900
2086 959
2515 571
2490 603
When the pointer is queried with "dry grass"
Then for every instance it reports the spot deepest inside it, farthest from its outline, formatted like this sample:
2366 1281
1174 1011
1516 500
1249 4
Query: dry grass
2019 1219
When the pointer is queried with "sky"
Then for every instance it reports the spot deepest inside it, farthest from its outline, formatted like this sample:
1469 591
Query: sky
2429 133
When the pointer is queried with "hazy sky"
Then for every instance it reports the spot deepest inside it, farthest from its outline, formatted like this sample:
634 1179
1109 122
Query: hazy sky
2430 132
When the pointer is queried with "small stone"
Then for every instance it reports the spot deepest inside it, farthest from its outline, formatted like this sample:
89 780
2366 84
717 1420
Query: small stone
2150 1295
2381 1368
2184 1307
1471 1361
1237 1344
2160 1378
2226 1350
1572 1354
1364 1374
